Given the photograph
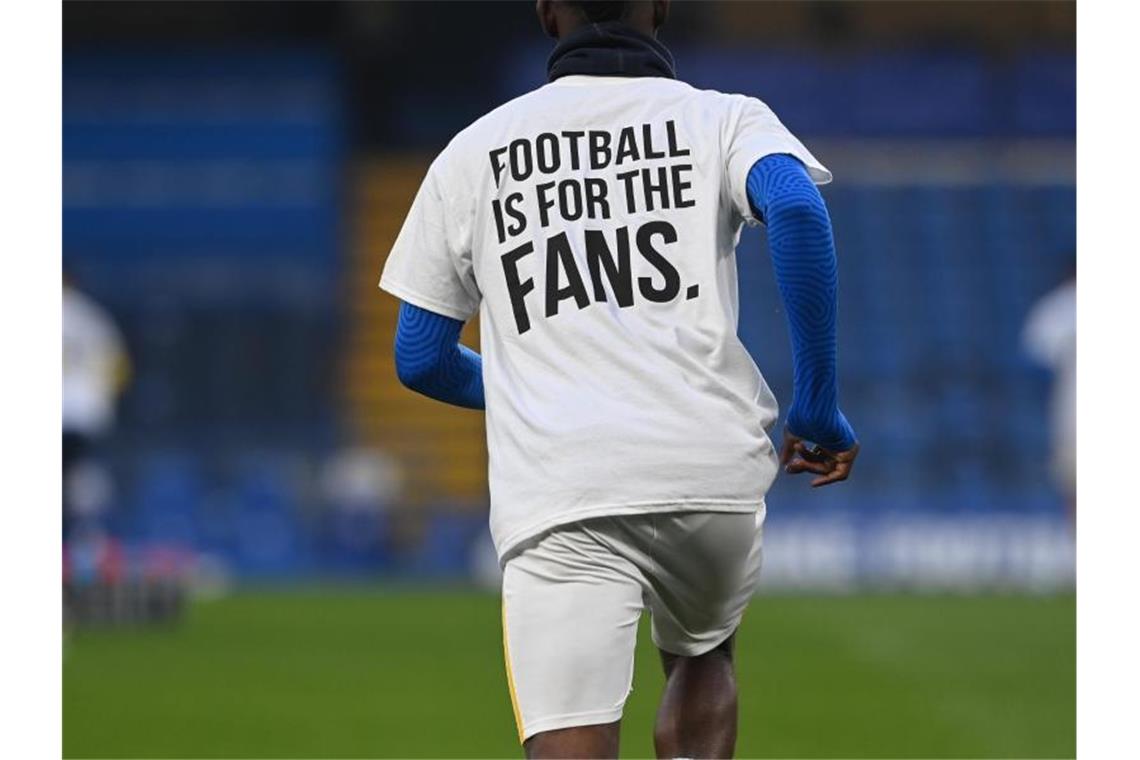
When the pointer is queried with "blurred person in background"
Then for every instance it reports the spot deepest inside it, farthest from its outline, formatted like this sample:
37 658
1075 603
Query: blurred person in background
232 173
627 438
1050 338
95 372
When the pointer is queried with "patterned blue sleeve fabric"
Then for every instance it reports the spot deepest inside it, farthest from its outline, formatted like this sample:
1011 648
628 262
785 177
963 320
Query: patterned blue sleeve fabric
803 257
431 361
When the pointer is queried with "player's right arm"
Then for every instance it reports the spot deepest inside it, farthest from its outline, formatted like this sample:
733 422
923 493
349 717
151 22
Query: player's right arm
431 361
817 438
429 269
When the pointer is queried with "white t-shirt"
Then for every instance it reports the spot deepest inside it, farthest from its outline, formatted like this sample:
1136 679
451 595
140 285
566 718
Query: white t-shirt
592 224
92 361
1050 337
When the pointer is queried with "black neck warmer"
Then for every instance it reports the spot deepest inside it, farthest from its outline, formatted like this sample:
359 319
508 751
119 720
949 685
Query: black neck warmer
610 48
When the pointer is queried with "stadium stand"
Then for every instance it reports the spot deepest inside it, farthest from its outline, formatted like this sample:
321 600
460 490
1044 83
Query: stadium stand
262 259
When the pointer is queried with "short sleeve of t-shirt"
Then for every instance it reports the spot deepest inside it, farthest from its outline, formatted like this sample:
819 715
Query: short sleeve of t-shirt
755 132
425 267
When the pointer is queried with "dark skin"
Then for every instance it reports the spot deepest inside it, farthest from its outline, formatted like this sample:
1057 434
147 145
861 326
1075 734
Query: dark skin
797 456
698 711
697 714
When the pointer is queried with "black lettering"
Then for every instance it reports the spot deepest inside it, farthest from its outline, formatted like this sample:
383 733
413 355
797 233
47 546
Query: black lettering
647 131
497 212
520 157
626 147
573 137
511 206
599 150
661 189
619 273
597 206
671 134
560 256
544 204
570 200
496 165
516 288
548 159
627 179
645 247
680 186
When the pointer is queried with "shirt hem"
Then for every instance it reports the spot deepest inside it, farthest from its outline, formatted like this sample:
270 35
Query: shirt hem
415 299
511 543
817 172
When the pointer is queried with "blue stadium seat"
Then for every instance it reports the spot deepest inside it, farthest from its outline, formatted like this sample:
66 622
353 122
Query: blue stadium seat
164 505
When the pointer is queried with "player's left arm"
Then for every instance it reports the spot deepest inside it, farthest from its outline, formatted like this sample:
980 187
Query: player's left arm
817 437
430 359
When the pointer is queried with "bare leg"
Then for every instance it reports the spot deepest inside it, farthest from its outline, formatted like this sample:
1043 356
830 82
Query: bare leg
600 741
697 715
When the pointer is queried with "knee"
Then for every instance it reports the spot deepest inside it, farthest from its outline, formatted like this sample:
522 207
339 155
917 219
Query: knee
704 688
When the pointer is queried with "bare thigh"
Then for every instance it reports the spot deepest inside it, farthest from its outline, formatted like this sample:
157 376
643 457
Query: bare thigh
599 741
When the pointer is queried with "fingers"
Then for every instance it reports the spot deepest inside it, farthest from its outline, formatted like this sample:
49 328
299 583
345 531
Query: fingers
840 472
831 466
798 465
789 448
841 464
797 457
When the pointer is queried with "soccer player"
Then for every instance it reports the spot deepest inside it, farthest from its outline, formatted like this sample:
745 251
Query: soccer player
95 370
592 225
1050 337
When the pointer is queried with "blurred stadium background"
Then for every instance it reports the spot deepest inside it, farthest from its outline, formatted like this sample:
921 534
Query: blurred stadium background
234 174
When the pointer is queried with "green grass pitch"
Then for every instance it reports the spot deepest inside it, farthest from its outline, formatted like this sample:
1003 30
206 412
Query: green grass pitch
407 673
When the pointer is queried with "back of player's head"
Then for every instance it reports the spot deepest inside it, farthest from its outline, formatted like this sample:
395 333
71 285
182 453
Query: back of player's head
560 17
598 11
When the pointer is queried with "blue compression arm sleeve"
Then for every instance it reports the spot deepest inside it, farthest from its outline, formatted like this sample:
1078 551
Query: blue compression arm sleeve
803 256
431 361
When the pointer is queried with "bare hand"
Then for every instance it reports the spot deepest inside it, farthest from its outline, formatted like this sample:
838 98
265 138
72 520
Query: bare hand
831 466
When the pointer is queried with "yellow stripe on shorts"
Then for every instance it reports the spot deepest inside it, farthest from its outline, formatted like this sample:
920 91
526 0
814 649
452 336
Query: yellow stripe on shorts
511 675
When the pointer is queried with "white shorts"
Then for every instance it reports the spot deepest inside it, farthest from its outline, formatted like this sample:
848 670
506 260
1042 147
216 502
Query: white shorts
572 599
